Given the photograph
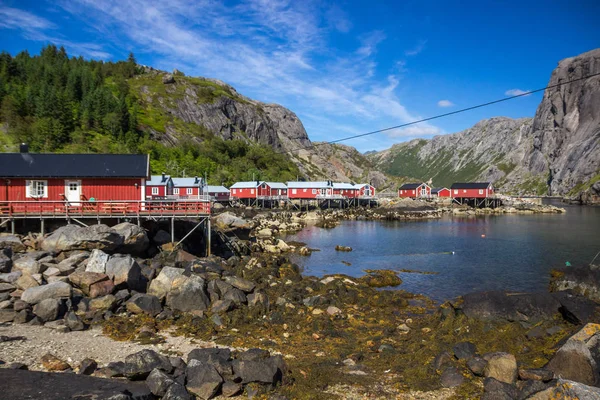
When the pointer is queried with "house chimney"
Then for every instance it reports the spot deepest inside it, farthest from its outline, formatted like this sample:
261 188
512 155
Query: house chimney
163 177
196 181
23 148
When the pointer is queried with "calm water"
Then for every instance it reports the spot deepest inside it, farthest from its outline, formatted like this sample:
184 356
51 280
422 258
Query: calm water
517 252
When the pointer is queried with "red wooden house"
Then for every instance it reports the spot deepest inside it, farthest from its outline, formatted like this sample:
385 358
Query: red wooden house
472 190
414 190
72 178
365 190
440 192
248 190
216 193
187 187
159 187
277 189
310 190
348 190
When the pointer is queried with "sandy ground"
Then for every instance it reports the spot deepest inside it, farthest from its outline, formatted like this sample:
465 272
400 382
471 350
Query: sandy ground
75 346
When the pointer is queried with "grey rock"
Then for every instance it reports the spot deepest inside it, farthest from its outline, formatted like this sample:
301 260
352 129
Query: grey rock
477 365
140 364
69 264
442 360
47 309
144 304
55 290
203 380
97 261
125 271
451 377
10 277
188 294
87 366
497 390
161 237
177 392
253 355
72 237
27 264
168 79
566 389
158 382
502 306
236 296
262 371
6 287
135 239
574 361
23 317
8 316
258 299
530 387
161 285
220 306
231 389
12 242
74 322
5 260
501 366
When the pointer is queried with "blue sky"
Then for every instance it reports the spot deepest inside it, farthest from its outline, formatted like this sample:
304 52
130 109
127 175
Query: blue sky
344 67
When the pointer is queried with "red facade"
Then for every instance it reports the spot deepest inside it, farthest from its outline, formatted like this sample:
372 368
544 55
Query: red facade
473 193
309 192
367 191
444 192
422 190
16 189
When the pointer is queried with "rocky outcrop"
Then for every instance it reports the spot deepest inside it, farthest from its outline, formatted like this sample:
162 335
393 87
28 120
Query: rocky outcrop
73 237
557 153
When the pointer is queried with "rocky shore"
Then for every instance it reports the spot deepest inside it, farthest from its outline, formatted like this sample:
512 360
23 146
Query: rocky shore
177 326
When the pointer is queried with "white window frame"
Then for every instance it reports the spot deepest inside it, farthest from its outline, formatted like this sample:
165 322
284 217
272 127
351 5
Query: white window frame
234 191
464 190
190 191
480 191
251 191
294 191
304 190
176 191
314 191
155 190
43 193
455 191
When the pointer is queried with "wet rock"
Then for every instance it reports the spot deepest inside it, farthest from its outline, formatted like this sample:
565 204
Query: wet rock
73 322
158 382
140 364
97 262
502 306
187 294
161 285
135 240
144 304
53 363
72 237
12 242
574 361
87 366
477 366
451 377
55 290
539 374
497 390
464 350
203 380
47 309
125 272
242 284
501 366
535 333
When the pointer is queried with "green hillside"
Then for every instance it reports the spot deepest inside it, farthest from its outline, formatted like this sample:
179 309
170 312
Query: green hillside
60 104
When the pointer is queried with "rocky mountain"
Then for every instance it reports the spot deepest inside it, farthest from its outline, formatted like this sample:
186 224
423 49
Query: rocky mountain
177 107
557 152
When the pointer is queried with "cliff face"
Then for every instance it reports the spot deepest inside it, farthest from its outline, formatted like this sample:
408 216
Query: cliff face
558 152
178 108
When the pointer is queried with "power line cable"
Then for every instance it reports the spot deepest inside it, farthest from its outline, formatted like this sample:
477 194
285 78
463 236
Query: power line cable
489 103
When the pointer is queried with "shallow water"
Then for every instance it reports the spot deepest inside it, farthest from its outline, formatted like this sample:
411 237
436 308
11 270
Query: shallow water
516 253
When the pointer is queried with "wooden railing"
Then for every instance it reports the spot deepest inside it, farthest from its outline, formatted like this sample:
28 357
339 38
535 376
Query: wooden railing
100 208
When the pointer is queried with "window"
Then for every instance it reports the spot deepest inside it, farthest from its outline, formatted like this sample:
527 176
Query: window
413 192
190 190
455 191
480 191
251 191
304 190
73 186
314 191
176 191
233 191
464 190
37 189
154 190
293 191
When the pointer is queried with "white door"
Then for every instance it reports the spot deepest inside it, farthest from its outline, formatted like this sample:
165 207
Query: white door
73 192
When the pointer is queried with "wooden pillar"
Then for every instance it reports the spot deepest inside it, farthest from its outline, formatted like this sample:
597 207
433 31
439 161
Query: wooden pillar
173 229
42 226
208 237
12 226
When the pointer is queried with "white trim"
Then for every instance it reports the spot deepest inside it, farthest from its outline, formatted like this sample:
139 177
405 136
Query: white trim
190 191
176 191
29 184
143 191
154 191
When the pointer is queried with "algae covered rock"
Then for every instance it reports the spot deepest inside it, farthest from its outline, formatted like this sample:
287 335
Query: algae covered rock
501 366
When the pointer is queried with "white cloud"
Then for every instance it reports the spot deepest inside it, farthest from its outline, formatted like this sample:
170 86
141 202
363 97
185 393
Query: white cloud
14 18
516 92
417 49
445 103
369 43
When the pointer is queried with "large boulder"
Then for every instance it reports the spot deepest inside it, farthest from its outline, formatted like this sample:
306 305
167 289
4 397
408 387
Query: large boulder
47 309
8 241
503 306
125 272
87 281
73 237
139 365
266 370
567 389
159 382
584 280
240 283
144 304
55 290
188 294
501 366
97 261
28 265
229 221
135 240
161 285
578 358
203 380
5 260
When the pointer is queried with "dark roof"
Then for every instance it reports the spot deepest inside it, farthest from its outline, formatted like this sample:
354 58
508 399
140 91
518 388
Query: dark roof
409 186
436 190
32 165
471 185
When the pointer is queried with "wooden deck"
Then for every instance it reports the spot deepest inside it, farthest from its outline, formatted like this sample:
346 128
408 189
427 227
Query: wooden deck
103 209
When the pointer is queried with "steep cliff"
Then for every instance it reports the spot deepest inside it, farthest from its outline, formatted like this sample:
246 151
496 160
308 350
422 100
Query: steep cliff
557 153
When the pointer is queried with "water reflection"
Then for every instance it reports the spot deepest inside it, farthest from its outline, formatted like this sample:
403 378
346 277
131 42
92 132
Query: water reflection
514 252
